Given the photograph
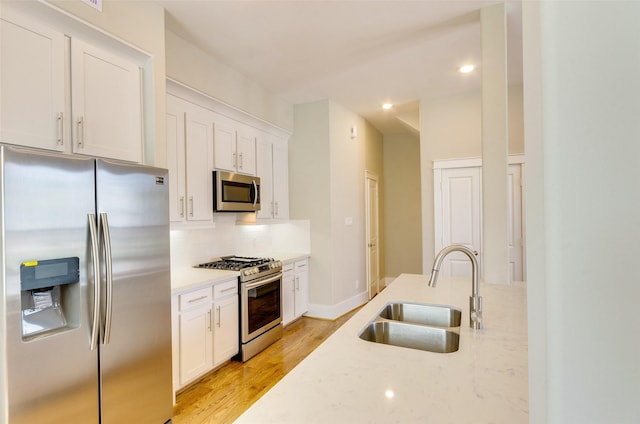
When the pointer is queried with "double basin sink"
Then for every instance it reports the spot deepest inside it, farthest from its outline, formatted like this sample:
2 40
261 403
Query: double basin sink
432 328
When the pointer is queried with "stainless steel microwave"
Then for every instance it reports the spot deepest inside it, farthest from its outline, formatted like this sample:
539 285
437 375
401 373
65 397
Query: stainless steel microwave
235 192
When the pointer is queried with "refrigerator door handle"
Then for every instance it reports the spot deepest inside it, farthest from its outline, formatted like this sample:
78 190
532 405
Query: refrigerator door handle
109 280
95 325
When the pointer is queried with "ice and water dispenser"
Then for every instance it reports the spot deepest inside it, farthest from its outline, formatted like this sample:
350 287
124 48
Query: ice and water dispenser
47 288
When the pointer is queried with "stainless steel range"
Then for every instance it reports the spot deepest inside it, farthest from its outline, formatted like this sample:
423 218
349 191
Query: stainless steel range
260 300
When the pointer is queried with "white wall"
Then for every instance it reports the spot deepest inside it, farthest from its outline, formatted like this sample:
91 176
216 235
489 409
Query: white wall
310 191
347 159
326 186
402 230
582 61
192 66
196 245
451 128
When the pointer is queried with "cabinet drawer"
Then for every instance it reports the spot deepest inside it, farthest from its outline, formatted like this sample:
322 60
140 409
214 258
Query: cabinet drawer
301 266
225 289
287 267
195 298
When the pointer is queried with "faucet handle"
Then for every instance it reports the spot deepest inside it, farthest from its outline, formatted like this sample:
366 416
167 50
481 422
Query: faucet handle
475 312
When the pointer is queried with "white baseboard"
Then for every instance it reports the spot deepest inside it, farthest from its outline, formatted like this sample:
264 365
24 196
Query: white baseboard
335 311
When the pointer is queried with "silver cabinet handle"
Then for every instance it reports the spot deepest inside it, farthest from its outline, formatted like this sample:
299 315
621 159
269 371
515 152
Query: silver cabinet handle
95 329
209 318
80 132
60 129
190 205
109 271
196 299
181 206
297 283
277 213
235 160
219 315
228 289
241 162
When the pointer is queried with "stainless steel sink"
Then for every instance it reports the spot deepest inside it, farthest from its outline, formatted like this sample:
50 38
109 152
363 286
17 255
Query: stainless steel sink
412 336
435 315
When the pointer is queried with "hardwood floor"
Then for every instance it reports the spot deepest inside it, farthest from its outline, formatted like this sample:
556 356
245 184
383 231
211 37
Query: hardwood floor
224 394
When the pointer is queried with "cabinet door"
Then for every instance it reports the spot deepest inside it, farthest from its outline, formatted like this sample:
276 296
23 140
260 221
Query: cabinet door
264 170
199 160
301 287
246 150
288 294
226 329
32 104
280 180
224 140
106 103
195 343
176 157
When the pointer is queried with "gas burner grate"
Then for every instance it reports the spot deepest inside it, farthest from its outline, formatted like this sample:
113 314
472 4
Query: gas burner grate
234 263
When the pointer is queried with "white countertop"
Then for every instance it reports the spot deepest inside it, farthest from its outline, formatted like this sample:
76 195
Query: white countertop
183 279
349 380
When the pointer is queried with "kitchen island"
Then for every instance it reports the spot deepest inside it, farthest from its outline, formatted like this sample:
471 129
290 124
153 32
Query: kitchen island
347 379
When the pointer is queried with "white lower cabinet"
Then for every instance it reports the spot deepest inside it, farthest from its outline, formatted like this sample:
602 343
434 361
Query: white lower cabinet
205 325
295 290
194 334
226 322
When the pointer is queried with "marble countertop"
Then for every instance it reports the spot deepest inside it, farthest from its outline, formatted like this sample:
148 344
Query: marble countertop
347 379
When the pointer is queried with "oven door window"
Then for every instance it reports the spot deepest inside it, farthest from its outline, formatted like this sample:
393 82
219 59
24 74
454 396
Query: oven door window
263 305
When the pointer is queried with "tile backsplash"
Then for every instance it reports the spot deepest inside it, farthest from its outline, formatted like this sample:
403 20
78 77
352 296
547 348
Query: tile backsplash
190 246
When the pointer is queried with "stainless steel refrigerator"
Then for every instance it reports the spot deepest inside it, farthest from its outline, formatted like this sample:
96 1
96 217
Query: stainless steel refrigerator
85 331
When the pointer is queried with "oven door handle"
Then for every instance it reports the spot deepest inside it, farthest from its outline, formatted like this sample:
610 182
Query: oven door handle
263 282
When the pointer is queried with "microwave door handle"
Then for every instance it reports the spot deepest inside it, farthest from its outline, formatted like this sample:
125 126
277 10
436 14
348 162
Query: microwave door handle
255 193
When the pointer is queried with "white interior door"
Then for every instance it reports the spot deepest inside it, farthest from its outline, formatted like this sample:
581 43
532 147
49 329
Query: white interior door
458 216
516 268
373 253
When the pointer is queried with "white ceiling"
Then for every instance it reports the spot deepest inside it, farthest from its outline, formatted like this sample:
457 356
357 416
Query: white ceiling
357 53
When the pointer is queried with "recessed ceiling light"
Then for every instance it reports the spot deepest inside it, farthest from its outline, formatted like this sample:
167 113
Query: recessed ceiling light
466 69
387 106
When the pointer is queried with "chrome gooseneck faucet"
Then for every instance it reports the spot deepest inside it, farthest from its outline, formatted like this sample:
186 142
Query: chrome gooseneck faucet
475 300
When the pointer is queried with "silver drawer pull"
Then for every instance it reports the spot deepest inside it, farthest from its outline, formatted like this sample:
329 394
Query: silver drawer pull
197 299
228 289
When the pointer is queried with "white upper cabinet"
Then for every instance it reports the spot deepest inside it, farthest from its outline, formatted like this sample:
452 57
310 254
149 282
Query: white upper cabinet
224 135
32 83
235 146
199 158
190 160
281 179
175 120
273 170
106 104
246 149
61 92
